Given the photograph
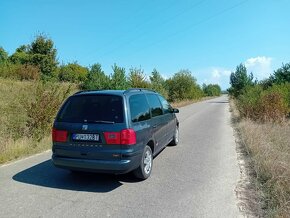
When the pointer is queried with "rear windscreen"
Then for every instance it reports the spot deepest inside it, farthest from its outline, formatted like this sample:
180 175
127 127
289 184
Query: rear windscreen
92 109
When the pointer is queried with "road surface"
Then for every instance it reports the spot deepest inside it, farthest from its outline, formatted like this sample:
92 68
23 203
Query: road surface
197 178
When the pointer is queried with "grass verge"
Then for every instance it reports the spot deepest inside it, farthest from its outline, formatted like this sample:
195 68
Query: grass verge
22 148
27 110
267 146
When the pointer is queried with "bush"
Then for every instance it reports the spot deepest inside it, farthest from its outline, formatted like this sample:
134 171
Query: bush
265 105
212 90
72 72
43 108
272 107
28 72
19 71
8 70
248 101
183 86
284 90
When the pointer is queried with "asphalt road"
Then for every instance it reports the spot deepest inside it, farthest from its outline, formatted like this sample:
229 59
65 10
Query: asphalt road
197 178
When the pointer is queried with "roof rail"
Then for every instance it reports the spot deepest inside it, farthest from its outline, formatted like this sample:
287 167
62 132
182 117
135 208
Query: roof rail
138 89
79 92
89 90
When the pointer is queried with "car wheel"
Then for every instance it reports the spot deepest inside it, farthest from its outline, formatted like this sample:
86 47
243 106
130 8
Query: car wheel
175 139
145 168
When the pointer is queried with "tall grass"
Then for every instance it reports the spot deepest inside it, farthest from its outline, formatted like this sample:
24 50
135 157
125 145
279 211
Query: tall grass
268 146
27 110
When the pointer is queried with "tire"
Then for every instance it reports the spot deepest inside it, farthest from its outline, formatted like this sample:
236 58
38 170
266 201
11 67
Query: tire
175 139
144 170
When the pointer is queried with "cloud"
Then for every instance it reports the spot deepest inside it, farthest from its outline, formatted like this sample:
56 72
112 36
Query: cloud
260 66
217 75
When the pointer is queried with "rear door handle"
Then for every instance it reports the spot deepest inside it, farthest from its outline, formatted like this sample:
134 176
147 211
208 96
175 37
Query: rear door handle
154 126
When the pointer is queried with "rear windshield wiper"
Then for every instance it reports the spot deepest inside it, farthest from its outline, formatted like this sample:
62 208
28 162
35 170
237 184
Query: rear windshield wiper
99 121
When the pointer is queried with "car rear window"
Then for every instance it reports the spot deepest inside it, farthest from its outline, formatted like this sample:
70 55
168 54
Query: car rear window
92 109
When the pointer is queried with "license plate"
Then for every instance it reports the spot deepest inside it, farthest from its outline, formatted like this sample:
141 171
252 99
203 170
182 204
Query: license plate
86 137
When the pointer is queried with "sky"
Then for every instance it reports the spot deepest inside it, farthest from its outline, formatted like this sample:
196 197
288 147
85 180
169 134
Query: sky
208 37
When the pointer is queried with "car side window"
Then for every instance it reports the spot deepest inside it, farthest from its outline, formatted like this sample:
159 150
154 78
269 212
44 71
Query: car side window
166 106
155 105
139 108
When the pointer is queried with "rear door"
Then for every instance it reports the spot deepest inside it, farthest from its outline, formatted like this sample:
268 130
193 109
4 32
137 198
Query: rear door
87 118
158 121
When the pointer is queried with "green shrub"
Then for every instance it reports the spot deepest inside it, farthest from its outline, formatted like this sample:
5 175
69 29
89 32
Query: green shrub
72 72
272 104
19 71
8 70
183 86
249 100
43 108
211 89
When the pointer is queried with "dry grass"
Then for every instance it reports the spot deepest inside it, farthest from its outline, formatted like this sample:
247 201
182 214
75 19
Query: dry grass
268 146
15 118
22 147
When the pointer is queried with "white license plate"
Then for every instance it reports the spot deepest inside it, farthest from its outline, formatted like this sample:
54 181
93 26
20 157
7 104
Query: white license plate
86 137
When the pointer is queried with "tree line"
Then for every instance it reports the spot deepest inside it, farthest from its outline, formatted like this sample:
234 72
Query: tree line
38 61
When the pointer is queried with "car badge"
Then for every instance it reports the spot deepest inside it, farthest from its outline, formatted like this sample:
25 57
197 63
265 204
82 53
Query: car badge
85 127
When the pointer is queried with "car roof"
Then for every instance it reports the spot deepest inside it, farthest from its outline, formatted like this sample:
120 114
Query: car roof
94 92
113 92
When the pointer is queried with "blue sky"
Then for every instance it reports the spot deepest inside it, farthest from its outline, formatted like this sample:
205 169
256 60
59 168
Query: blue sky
208 37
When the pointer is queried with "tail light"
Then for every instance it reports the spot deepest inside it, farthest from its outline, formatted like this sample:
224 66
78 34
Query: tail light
128 137
125 137
59 135
112 137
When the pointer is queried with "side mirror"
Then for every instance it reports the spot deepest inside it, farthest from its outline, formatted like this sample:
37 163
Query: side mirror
175 110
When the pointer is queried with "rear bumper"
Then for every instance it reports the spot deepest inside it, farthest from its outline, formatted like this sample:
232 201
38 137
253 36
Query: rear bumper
101 166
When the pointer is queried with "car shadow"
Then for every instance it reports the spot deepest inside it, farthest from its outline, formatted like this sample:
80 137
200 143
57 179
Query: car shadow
46 175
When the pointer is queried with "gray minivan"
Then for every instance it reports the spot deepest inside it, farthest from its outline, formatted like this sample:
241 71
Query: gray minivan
113 131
